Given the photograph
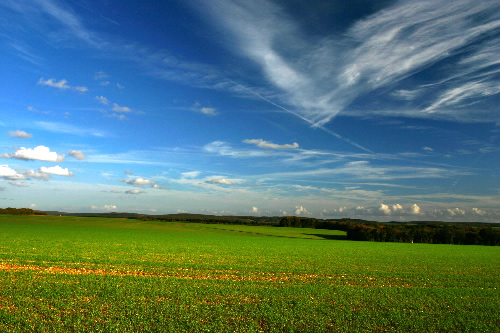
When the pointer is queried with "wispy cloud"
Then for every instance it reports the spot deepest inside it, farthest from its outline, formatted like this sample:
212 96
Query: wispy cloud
209 111
62 84
68 129
320 79
19 134
265 144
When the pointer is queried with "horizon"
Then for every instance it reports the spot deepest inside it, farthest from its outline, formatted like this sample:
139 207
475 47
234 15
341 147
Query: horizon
374 110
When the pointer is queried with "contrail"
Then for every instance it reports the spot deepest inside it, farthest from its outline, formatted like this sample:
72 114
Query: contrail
338 136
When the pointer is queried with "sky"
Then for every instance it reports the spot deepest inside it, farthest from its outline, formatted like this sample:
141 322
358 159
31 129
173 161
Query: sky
381 110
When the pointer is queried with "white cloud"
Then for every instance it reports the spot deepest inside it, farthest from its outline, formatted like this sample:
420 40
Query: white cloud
40 153
62 84
102 100
221 181
415 209
118 108
114 115
190 174
68 129
56 170
77 154
18 184
19 134
384 209
8 173
320 79
397 207
456 211
265 144
104 207
456 95
54 83
478 211
300 210
209 111
100 76
428 149
141 182
36 175
81 89
406 94
134 191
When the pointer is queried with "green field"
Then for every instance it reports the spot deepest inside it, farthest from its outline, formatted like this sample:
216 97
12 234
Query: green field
72 274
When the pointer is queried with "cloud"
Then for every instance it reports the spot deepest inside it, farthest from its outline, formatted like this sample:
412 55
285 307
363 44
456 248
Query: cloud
209 111
102 100
255 210
100 76
118 108
40 153
53 83
36 175
384 209
221 181
300 210
56 170
104 207
19 134
190 174
62 84
8 173
265 144
415 209
81 89
456 211
141 182
397 207
114 115
320 77
68 129
77 154
478 211
134 191
18 184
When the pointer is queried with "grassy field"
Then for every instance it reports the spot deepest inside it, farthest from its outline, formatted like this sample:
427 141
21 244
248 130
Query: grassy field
71 274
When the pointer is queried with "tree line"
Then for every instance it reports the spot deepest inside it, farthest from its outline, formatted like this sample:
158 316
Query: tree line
432 233
20 211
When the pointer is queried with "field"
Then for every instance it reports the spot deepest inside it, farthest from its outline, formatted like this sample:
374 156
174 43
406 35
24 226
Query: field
72 274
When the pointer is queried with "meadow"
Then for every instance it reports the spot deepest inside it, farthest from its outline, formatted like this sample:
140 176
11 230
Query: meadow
74 274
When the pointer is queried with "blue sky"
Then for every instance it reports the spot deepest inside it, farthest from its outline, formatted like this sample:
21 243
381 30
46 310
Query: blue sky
384 110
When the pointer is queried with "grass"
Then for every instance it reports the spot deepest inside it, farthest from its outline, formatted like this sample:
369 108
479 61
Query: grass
72 274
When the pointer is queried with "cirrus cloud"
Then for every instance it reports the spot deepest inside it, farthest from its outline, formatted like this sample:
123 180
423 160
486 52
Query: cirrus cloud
266 144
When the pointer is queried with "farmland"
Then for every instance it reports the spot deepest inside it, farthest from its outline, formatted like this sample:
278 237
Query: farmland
75 274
